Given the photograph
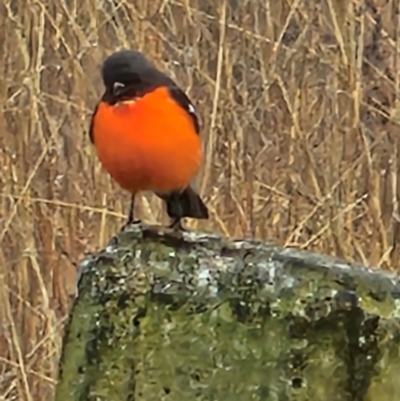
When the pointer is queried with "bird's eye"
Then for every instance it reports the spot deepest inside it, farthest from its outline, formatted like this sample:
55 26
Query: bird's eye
118 88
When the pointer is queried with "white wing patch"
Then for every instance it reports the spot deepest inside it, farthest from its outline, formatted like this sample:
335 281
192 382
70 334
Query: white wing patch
191 109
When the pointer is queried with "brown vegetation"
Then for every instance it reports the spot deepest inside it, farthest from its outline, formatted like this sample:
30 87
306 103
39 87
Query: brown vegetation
300 107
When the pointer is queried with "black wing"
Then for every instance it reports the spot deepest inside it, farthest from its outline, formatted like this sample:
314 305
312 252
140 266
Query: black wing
91 124
183 100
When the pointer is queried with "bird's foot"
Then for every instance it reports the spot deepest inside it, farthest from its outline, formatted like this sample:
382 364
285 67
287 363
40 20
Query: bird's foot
130 223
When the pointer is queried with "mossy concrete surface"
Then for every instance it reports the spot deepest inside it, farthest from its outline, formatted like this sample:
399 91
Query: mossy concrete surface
169 316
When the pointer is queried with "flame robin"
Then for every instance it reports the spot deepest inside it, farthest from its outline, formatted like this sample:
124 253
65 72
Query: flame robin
146 134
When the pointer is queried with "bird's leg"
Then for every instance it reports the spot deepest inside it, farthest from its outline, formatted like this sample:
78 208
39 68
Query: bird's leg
176 224
131 219
131 210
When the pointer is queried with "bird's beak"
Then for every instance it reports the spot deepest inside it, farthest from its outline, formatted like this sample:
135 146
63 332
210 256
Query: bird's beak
118 88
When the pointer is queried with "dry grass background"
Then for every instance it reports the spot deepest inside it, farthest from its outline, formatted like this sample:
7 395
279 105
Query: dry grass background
300 107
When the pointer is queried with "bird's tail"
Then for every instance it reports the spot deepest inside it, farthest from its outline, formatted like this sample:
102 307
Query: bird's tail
185 204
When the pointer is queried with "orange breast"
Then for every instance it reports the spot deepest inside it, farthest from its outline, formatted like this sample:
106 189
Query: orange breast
149 144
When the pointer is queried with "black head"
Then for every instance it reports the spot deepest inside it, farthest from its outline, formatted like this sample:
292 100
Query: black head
128 74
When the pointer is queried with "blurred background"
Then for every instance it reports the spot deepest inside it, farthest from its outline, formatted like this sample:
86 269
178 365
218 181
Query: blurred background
299 104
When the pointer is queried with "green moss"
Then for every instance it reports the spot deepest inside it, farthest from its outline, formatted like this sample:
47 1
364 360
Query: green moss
161 316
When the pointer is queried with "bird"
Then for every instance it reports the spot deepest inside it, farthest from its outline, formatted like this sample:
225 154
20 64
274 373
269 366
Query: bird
147 135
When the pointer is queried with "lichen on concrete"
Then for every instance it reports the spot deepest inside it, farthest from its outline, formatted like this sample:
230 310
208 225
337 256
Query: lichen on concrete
167 316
